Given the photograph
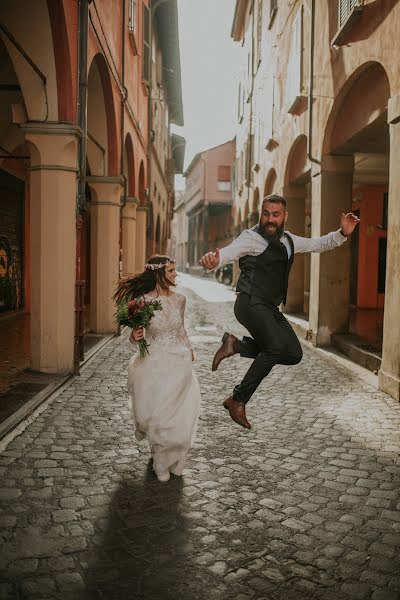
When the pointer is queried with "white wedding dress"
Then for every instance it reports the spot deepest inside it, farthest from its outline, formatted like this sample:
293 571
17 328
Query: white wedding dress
164 393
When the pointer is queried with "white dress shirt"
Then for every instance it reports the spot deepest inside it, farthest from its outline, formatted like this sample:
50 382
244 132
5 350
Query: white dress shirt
251 243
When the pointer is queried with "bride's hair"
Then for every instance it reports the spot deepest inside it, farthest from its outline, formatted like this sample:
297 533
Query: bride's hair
133 286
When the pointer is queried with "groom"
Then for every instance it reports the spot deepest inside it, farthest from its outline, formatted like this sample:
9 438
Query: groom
265 254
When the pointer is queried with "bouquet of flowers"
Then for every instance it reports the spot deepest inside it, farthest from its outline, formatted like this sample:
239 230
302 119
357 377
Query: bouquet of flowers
137 313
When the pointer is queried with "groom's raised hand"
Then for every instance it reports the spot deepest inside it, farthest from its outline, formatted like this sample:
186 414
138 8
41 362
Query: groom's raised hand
210 260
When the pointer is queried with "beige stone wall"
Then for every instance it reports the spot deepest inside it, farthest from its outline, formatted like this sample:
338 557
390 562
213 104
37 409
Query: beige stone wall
315 139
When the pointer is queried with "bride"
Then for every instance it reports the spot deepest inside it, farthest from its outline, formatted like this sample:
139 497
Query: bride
164 393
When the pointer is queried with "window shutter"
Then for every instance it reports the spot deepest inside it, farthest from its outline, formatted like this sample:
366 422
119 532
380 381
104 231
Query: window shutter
146 44
269 109
132 15
224 173
294 72
345 8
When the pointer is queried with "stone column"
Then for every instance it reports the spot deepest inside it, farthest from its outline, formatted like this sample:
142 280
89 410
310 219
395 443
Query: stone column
104 251
295 196
141 222
129 236
330 272
53 170
389 373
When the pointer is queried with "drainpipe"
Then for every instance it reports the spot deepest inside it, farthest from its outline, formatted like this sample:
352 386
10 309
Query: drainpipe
251 133
83 27
311 87
124 97
83 24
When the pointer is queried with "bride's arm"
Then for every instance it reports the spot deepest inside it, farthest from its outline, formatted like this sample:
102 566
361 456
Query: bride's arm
182 333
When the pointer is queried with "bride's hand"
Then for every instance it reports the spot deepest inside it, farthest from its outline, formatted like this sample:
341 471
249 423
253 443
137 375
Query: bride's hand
137 334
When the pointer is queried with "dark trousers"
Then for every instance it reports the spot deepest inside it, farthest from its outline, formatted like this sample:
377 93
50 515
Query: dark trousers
272 342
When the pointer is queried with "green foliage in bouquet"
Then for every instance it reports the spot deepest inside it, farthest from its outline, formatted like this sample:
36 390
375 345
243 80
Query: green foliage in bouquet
137 313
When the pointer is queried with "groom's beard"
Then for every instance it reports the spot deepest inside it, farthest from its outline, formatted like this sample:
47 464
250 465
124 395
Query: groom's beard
273 233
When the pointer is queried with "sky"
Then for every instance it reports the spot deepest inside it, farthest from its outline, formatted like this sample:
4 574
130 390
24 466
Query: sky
209 63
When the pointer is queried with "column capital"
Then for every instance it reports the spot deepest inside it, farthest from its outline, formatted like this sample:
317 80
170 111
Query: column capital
394 109
131 200
52 146
51 128
334 164
106 190
293 191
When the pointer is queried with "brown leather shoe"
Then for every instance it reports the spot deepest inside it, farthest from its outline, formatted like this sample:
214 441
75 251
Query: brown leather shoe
225 350
237 410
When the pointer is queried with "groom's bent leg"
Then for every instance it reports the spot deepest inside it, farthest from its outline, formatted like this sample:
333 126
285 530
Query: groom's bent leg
278 343
247 346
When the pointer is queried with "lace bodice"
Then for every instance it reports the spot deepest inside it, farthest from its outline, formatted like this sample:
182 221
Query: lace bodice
167 325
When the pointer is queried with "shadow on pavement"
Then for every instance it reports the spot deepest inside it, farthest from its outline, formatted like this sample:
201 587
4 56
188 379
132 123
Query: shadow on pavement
141 553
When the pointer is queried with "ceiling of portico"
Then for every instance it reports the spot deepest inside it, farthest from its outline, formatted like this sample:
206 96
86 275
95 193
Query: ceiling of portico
11 137
371 168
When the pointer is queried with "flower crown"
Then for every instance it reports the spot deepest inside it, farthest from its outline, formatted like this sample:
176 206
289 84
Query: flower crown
154 266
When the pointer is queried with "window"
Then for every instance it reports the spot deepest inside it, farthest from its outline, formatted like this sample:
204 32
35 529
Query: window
224 178
146 44
257 51
273 7
132 16
294 71
345 8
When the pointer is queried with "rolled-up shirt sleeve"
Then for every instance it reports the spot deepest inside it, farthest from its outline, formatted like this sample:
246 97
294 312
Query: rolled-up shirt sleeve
243 245
330 241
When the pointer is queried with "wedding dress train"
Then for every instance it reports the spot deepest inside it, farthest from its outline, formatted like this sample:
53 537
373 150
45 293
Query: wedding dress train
164 393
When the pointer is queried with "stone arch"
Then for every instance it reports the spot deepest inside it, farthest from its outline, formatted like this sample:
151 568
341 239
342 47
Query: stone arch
297 166
297 191
270 182
129 166
157 235
361 105
36 71
102 148
256 201
62 57
142 185
150 249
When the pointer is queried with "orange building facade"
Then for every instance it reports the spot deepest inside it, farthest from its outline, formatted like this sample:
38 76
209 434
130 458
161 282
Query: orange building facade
74 167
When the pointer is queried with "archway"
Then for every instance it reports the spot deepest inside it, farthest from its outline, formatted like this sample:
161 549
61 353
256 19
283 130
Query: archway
158 241
297 191
150 232
357 130
270 181
102 150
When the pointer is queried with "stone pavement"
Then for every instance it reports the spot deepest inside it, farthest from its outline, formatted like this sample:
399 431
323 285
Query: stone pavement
305 505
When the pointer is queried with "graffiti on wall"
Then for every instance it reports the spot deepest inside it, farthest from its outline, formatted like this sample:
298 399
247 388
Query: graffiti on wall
11 255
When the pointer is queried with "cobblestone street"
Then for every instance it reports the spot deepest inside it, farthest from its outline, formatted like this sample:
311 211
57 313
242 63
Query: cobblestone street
305 505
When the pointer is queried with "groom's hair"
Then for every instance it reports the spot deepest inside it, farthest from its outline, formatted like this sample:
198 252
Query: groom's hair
276 199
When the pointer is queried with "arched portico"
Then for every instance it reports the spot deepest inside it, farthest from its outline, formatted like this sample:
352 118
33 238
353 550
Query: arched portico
355 145
296 190
106 190
129 211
